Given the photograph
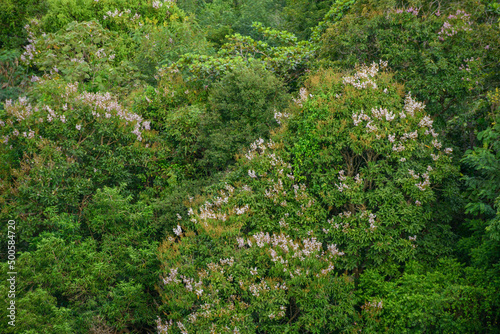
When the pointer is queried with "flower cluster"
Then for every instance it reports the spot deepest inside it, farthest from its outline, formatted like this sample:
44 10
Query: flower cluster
163 327
105 105
278 116
116 13
258 148
364 77
461 22
374 304
410 10
303 95
158 4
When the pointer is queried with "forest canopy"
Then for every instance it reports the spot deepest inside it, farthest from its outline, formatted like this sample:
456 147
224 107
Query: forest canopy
264 166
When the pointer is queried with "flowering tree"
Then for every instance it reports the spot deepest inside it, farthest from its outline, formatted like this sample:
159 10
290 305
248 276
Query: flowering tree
65 144
253 258
375 161
364 163
445 54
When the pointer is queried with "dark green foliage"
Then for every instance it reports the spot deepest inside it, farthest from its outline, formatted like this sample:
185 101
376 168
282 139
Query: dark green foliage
241 108
12 75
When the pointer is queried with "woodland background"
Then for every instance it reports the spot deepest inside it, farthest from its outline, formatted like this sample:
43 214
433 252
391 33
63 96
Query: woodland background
251 166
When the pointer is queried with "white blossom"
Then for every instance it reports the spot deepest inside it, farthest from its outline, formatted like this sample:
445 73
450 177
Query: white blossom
177 230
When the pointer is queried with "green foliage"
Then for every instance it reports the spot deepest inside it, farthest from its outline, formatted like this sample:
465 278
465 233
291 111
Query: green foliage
223 17
117 59
115 15
296 219
444 55
338 9
253 257
445 299
83 52
205 128
14 15
481 242
38 312
303 16
282 54
485 160
110 273
12 75
374 160
242 105
64 146
369 204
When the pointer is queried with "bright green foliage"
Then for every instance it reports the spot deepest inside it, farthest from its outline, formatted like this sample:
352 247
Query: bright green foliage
83 52
182 130
338 9
158 44
38 313
281 53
